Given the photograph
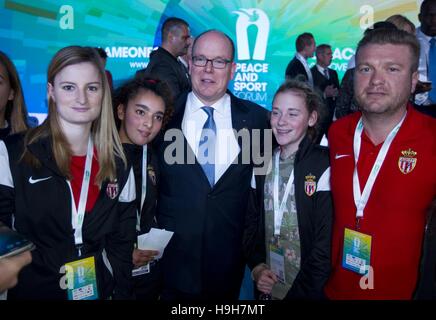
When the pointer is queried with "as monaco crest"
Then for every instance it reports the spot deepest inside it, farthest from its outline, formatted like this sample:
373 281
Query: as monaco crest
407 162
310 184
112 190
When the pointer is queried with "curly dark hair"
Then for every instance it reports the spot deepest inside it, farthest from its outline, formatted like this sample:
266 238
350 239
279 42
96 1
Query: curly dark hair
132 87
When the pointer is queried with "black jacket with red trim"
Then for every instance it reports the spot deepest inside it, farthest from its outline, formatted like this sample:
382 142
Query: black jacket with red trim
39 200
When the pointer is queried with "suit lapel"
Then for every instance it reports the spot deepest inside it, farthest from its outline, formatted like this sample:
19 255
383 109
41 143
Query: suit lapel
176 123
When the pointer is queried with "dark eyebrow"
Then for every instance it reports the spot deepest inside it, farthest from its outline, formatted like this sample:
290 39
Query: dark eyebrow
142 106
145 107
294 109
287 109
70 82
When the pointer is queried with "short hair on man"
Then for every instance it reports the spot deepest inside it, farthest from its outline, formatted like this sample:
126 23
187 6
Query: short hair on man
424 5
392 36
170 25
303 40
379 25
322 48
232 45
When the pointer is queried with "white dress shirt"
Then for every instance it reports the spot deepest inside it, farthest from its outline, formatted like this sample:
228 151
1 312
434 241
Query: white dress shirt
424 42
306 67
322 71
194 118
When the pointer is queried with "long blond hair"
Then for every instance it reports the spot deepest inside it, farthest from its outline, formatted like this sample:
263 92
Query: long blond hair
16 111
103 129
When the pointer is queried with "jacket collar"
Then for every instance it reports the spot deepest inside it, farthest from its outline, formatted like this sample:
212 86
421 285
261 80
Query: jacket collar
165 52
43 151
239 112
411 120
304 148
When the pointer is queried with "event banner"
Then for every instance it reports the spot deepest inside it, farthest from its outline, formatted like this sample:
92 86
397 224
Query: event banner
264 32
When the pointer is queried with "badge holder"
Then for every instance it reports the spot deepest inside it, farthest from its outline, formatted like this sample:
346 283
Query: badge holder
82 280
141 270
277 262
357 251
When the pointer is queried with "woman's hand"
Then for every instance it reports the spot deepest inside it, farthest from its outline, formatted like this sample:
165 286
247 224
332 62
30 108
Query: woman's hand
142 257
264 278
11 267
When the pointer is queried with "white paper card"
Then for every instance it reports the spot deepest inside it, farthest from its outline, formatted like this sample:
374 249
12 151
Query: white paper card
156 239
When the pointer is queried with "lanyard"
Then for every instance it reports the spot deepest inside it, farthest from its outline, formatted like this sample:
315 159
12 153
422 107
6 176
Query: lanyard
143 187
78 214
361 199
279 209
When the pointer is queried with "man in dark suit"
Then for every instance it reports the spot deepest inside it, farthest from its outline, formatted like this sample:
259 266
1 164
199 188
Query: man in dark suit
205 180
164 64
326 81
298 68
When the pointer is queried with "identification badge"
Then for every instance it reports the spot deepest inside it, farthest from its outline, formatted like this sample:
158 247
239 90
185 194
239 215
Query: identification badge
81 274
277 262
357 251
141 270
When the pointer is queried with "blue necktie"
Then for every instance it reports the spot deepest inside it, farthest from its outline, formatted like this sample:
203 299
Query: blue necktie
206 147
432 69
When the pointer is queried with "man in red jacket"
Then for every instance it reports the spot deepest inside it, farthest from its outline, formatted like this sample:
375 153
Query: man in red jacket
383 177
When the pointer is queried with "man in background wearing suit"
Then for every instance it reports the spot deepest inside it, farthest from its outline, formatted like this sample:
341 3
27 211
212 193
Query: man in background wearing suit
326 82
425 98
298 68
204 202
163 62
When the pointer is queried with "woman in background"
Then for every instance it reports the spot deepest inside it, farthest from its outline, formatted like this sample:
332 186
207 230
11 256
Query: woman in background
13 112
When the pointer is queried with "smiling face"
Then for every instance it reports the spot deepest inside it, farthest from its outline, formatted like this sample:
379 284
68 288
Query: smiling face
208 83
383 78
77 92
290 119
141 119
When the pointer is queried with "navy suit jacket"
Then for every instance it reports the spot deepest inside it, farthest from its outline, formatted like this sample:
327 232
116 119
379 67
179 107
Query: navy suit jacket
205 256
320 82
296 70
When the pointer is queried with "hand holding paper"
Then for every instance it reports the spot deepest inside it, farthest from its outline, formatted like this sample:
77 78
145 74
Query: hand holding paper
156 239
